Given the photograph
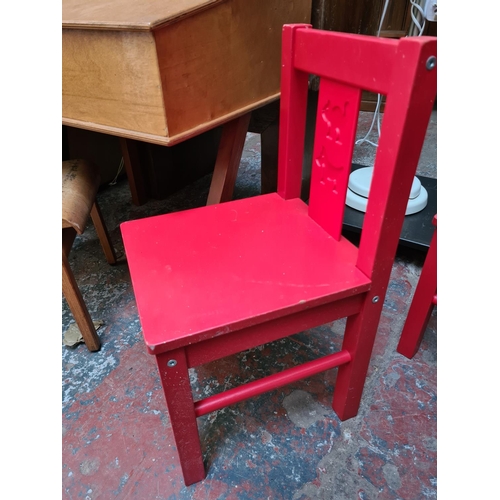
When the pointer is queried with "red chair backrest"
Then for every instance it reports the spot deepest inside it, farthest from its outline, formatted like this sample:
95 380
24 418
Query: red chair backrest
402 70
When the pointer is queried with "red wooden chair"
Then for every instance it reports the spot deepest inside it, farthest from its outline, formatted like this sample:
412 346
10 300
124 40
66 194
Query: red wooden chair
217 280
422 304
80 183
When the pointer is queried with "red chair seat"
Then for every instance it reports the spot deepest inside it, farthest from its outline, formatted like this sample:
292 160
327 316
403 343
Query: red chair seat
276 260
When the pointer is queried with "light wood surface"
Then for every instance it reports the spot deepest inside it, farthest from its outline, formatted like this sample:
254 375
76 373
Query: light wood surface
222 60
111 78
164 71
130 70
128 14
169 140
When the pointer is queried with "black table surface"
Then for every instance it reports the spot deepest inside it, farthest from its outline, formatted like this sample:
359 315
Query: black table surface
417 228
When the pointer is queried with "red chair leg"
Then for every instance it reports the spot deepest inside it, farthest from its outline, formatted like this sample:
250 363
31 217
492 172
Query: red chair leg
174 376
359 337
421 306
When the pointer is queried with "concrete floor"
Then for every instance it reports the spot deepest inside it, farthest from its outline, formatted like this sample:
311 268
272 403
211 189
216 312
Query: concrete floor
287 444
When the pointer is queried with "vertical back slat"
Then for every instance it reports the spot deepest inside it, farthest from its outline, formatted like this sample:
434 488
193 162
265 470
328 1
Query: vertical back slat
293 108
336 121
348 64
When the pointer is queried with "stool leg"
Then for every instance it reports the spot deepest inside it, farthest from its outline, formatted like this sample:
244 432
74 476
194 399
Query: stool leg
102 233
174 375
421 306
77 306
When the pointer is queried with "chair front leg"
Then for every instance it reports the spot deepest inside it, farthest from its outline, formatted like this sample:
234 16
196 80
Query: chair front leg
421 306
174 376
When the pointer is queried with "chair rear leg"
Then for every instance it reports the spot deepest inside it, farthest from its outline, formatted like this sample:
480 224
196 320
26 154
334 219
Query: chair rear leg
414 329
359 337
421 306
78 308
174 376
102 233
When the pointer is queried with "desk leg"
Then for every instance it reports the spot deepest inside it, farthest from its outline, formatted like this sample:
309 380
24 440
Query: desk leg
228 160
133 169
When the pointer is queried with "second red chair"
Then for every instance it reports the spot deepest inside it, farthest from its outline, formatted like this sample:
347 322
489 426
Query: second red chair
423 303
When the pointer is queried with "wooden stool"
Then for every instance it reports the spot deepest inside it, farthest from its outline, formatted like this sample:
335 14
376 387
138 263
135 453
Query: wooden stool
80 182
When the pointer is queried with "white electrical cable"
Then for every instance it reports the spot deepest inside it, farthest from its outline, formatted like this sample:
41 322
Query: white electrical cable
113 182
414 4
376 114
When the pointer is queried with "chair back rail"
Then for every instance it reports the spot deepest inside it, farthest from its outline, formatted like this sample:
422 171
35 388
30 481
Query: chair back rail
404 71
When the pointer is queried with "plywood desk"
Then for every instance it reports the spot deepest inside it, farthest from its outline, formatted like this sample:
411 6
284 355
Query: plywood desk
162 71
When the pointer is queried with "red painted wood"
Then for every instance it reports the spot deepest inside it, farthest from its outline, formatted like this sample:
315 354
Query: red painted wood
270 383
350 59
408 107
208 271
240 340
177 390
407 110
422 304
222 278
337 118
293 109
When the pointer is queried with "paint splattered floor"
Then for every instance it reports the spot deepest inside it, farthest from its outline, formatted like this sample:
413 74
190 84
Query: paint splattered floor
287 444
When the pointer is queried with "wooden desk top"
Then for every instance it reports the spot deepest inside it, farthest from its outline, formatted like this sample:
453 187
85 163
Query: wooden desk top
128 14
162 71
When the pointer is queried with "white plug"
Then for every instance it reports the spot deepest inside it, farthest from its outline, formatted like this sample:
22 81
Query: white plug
430 10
